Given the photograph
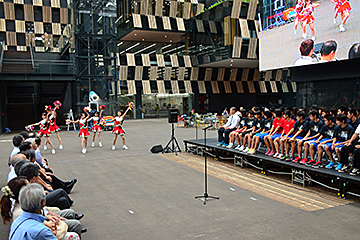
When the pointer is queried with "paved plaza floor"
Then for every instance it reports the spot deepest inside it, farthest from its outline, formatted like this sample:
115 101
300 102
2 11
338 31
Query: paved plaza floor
133 194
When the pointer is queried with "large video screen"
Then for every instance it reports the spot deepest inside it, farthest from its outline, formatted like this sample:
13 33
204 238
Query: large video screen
302 32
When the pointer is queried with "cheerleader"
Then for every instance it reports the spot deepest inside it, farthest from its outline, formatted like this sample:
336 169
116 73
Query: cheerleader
53 127
298 8
118 130
44 130
307 17
83 133
96 127
342 7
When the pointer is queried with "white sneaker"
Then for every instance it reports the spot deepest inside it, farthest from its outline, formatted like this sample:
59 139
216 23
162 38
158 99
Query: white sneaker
334 21
241 148
93 144
246 150
100 144
125 147
45 147
238 147
313 38
113 148
83 151
275 155
342 28
53 151
304 36
230 145
61 147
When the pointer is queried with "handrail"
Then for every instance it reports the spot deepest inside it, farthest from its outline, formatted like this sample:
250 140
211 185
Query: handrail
32 54
1 53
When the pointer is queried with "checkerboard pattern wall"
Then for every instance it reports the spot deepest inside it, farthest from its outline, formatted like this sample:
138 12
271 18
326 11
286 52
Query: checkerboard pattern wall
45 23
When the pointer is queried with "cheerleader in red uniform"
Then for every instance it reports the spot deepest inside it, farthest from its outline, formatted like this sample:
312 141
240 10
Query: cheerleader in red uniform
83 133
118 130
53 127
298 8
44 130
342 7
307 17
96 127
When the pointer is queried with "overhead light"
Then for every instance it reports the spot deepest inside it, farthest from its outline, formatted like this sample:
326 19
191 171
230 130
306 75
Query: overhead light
135 34
170 40
145 48
143 39
165 36
120 43
174 49
130 48
166 46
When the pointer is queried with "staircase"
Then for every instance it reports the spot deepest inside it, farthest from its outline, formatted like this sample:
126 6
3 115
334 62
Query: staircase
17 62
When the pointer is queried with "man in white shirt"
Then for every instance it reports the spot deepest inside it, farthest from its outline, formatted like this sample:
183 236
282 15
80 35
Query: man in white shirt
231 125
306 50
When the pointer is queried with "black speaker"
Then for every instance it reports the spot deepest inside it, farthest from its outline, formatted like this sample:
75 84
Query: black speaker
173 115
156 149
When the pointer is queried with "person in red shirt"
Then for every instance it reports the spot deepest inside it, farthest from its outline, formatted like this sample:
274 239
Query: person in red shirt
287 125
275 132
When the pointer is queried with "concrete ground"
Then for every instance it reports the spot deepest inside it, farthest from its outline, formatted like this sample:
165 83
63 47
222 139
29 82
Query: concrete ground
133 194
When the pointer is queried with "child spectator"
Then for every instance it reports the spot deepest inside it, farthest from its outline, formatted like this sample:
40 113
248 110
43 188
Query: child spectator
250 123
267 124
257 127
275 132
242 126
287 126
299 130
313 134
327 133
342 134
354 120
348 148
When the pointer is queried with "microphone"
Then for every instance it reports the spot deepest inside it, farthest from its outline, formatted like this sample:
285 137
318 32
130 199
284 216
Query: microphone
205 128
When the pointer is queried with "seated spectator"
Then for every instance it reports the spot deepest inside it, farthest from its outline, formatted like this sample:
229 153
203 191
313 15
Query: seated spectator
354 120
267 124
297 133
241 127
343 133
14 160
351 146
306 51
39 159
24 146
287 127
54 198
327 51
225 130
17 140
327 133
240 137
48 177
10 209
29 225
275 132
313 134
257 127
354 51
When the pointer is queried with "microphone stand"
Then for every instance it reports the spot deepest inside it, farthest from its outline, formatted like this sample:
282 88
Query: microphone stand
206 195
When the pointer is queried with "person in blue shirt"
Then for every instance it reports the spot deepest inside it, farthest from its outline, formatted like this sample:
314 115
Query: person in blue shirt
30 224
17 140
